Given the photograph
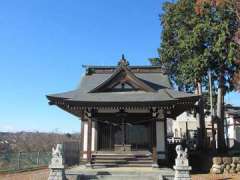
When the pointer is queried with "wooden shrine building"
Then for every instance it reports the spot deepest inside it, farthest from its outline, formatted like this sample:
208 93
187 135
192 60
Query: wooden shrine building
123 110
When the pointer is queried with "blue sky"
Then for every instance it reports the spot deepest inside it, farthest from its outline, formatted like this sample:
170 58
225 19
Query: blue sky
43 45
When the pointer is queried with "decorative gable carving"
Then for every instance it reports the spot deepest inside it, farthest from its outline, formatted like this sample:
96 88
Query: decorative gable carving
123 86
123 80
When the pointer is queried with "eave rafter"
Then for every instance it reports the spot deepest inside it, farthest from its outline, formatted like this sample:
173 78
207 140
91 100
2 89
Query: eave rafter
77 108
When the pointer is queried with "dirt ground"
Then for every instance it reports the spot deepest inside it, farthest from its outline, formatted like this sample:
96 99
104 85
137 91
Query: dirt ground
43 175
30 175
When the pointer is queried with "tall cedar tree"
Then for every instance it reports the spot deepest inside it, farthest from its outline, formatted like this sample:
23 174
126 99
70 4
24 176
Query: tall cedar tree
224 11
237 40
195 41
198 9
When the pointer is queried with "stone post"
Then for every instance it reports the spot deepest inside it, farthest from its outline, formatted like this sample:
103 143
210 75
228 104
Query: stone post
56 166
182 167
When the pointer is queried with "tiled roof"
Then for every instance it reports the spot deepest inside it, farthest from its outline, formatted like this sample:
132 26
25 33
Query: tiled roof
158 81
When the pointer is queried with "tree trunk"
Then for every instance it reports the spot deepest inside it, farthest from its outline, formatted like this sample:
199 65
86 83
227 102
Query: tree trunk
199 87
201 118
221 145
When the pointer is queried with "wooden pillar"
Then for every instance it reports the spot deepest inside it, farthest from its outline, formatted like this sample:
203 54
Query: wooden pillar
154 138
96 135
123 131
89 141
161 133
154 145
165 136
82 141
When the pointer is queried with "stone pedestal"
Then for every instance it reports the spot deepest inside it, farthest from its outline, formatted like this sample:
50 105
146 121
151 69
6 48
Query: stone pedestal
57 174
56 166
182 168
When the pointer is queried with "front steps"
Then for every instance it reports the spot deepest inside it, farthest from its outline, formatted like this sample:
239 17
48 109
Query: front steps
122 160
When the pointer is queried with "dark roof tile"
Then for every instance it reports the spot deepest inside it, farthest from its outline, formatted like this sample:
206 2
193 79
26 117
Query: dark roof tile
158 81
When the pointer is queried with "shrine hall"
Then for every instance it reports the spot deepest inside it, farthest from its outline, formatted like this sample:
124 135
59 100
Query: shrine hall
123 111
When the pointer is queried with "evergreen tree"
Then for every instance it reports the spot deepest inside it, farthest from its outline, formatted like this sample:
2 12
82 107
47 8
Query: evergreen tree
197 38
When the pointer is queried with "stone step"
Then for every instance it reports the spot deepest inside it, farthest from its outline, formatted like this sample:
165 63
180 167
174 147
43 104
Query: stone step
103 155
112 154
109 161
122 162
120 155
125 158
121 165
141 161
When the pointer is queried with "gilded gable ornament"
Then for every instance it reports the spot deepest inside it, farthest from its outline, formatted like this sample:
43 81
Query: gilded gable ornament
123 62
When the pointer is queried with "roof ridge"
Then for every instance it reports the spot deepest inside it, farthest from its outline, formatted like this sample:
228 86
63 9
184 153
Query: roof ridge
115 66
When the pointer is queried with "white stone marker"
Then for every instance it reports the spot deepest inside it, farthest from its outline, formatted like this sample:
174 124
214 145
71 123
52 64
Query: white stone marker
56 166
182 167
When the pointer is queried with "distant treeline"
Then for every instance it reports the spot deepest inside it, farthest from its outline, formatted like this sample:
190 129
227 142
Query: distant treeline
32 141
